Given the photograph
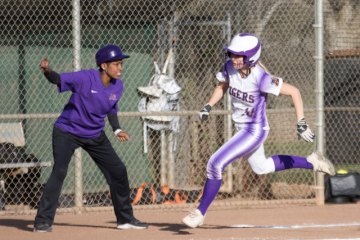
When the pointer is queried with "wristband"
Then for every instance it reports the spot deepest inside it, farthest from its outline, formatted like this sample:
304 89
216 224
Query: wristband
117 131
207 107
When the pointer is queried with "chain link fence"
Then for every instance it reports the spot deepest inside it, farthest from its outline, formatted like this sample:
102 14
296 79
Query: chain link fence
167 154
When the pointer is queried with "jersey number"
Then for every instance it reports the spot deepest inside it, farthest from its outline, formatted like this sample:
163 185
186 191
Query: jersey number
249 112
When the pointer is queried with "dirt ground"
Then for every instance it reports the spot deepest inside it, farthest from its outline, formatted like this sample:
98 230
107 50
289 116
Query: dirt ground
332 221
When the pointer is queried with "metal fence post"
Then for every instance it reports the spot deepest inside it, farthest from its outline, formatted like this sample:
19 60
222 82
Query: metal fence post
77 66
319 72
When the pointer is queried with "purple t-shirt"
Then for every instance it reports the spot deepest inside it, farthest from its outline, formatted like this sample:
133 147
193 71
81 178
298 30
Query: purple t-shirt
90 102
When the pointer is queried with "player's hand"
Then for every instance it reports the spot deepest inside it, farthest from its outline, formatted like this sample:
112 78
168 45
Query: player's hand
204 113
44 65
303 131
122 136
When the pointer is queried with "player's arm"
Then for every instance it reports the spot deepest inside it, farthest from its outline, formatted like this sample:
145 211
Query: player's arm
290 90
303 130
120 134
218 93
51 76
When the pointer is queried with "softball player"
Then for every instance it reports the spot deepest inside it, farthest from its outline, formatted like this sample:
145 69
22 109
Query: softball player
95 95
248 84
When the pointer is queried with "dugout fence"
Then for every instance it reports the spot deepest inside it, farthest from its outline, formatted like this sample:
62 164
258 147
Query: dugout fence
297 37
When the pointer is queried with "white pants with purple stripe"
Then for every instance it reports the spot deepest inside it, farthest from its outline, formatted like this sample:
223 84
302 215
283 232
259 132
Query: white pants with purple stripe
247 143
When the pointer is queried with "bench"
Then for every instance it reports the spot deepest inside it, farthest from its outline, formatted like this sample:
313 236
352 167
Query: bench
19 172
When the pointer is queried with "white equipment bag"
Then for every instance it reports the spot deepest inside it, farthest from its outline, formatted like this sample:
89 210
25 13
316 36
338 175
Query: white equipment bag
161 95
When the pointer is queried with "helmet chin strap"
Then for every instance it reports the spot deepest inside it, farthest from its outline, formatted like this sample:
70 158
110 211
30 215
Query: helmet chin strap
107 74
245 72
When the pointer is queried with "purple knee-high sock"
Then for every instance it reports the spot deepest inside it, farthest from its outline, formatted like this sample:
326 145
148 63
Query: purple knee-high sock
211 188
283 162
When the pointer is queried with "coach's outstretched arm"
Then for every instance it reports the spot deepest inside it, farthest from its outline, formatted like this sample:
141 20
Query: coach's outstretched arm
50 75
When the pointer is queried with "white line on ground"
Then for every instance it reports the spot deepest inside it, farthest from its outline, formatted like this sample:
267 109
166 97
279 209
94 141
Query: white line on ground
354 224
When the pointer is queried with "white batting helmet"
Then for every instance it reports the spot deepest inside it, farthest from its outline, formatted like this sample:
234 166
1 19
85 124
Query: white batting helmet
247 45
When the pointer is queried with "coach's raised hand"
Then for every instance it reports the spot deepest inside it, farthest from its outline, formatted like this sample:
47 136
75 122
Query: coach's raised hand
44 65
52 76
204 113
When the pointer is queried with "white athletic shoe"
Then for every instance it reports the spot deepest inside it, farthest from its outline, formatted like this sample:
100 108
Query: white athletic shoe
194 219
133 224
321 164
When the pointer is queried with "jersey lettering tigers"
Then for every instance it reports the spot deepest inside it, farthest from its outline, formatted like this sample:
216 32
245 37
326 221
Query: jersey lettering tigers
243 96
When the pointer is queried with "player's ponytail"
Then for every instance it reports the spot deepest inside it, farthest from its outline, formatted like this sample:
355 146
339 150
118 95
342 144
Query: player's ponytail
266 69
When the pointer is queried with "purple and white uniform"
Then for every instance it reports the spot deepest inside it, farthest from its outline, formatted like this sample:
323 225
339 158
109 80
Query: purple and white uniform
90 102
249 95
248 100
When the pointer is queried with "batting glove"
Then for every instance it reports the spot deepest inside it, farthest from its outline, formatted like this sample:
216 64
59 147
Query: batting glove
204 113
303 131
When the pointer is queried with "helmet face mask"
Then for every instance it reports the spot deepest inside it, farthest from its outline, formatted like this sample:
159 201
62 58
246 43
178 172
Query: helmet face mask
247 45
109 53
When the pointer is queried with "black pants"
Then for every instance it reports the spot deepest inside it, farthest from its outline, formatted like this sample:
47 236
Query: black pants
105 157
